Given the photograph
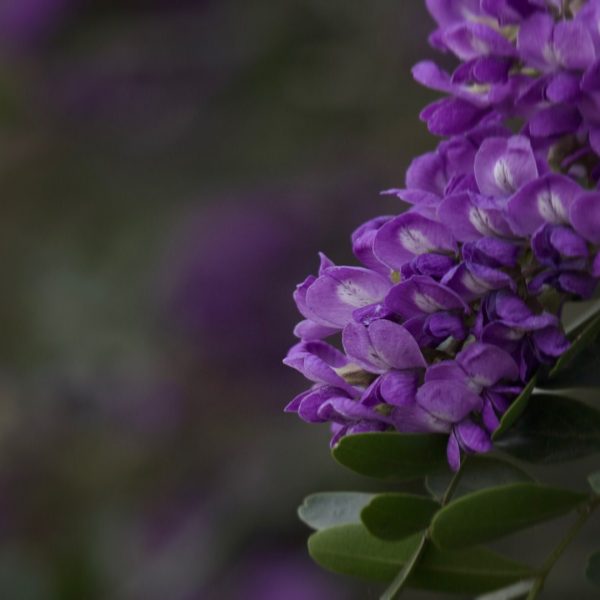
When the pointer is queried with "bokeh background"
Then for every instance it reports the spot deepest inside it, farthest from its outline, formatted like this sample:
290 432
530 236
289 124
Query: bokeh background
169 170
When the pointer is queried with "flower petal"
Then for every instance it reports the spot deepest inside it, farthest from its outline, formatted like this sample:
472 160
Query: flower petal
585 216
345 410
399 388
469 222
396 345
503 165
414 419
422 295
362 244
309 330
487 364
317 360
472 437
308 409
410 234
333 296
470 40
545 200
453 452
452 116
450 401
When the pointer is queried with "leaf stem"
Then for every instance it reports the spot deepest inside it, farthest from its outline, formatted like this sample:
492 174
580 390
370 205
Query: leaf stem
454 483
584 514
399 582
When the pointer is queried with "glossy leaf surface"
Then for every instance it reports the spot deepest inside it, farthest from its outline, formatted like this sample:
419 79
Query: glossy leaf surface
592 570
553 429
516 409
351 550
396 516
584 337
328 509
392 455
495 512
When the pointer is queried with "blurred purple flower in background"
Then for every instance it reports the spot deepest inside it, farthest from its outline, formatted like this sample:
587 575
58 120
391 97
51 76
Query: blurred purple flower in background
27 23
269 574
225 260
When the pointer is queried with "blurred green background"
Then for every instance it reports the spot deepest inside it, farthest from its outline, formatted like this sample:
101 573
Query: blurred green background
169 170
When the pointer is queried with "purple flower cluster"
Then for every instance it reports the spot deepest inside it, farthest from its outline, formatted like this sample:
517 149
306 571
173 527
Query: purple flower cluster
457 303
537 60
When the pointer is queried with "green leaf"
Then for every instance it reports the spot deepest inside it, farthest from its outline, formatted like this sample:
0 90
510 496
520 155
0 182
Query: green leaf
594 481
479 472
584 336
328 509
592 570
351 550
577 314
512 592
582 373
553 429
395 516
390 455
516 409
496 512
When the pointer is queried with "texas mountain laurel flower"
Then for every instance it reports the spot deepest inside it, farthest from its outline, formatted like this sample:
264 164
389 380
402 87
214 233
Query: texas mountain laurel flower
456 302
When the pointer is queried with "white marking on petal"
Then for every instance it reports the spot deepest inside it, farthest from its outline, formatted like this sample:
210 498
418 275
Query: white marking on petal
426 303
477 88
471 16
475 386
551 208
514 334
474 284
479 46
414 241
550 55
503 176
481 381
350 293
481 221
440 180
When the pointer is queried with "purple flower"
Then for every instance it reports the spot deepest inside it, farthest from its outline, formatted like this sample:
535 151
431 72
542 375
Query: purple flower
362 244
503 165
26 22
585 216
410 235
471 217
531 338
547 45
544 200
330 299
382 346
472 385
318 361
449 319
420 295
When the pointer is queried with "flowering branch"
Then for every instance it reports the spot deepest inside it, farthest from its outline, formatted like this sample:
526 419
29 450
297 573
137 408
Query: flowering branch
455 313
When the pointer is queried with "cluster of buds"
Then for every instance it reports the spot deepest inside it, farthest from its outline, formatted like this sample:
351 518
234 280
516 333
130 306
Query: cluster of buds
458 299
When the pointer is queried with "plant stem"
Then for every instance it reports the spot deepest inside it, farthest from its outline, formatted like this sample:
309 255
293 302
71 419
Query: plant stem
584 514
399 582
453 483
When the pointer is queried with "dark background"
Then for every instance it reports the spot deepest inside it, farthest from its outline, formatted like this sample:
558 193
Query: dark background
168 171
